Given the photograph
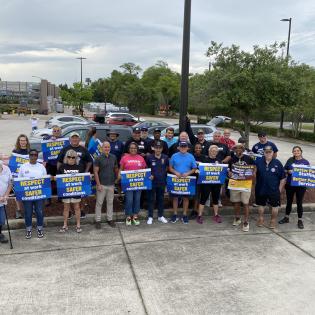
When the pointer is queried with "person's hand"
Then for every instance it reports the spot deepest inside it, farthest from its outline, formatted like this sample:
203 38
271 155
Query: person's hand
1 199
290 171
184 175
151 177
99 187
197 171
178 174
230 174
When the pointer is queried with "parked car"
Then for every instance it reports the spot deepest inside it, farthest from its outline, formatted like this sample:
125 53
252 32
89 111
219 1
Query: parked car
64 119
44 132
209 130
152 124
125 133
216 120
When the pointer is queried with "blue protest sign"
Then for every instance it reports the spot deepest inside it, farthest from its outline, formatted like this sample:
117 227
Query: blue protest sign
96 149
136 180
73 185
303 176
15 162
181 185
210 173
27 189
52 148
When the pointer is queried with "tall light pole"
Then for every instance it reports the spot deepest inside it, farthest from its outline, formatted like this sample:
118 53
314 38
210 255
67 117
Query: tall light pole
185 67
81 105
288 54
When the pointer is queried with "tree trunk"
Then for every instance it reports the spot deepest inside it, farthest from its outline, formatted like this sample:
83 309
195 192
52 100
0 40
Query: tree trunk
246 130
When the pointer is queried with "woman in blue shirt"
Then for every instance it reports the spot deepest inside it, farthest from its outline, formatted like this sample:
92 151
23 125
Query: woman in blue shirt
299 192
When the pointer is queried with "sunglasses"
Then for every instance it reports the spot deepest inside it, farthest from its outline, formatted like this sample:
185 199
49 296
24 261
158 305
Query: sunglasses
71 157
56 130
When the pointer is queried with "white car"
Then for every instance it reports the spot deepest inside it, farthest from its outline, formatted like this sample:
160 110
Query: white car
216 120
123 115
65 119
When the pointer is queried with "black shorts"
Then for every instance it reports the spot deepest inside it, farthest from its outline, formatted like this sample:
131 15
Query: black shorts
205 191
272 200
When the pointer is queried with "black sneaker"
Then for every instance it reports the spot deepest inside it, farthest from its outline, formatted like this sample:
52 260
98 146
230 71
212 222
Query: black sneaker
300 224
83 215
98 225
3 239
284 220
40 234
28 234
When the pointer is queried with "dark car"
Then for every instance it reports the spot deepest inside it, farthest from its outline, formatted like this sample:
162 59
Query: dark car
152 124
125 133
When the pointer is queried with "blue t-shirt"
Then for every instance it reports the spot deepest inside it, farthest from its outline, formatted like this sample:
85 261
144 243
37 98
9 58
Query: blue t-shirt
183 163
259 147
116 148
269 176
159 167
91 144
170 142
288 166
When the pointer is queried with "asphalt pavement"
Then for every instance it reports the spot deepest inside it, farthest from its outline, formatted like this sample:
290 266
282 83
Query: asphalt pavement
162 269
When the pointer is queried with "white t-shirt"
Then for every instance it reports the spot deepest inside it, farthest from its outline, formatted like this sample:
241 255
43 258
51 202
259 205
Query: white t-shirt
34 122
5 180
32 170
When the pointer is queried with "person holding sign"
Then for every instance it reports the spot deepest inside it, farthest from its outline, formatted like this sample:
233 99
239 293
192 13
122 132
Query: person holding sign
5 188
33 169
22 146
105 173
298 191
182 164
71 165
132 161
269 184
213 189
241 172
158 163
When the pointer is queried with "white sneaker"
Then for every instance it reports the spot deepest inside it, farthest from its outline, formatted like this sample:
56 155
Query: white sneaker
245 227
237 221
220 204
150 220
162 219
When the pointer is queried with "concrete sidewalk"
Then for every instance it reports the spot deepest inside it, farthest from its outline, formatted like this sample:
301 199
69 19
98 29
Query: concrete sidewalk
162 269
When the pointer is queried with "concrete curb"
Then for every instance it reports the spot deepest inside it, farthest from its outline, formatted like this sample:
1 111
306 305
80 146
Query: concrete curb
120 216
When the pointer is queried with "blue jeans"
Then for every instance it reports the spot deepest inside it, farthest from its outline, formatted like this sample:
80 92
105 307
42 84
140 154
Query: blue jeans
159 195
132 202
2 216
37 206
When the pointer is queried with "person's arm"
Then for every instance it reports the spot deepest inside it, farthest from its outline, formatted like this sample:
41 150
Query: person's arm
97 178
190 133
173 171
192 171
282 184
7 193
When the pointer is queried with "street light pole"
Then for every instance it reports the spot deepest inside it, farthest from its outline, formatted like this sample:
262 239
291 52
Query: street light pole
185 67
81 105
287 57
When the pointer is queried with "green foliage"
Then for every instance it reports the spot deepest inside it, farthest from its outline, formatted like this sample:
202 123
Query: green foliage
77 95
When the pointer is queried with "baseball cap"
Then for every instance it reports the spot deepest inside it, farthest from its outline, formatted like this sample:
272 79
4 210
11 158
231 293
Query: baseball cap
144 128
74 134
157 143
200 131
268 148
262 134
136 129
113 131
183 144
157 130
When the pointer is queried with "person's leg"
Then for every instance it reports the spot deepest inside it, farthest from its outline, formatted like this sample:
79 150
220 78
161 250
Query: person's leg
274 215
3 239
245 196
100 195
300 192
185 205
28 211
109 202
136 202
18 212
77 212
150 198
66 208
215 194
128 203
160 200
39 211
175 205
290 195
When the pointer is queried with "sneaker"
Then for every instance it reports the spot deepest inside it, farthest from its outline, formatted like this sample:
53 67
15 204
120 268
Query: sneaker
3 239
284 220
237 221
185 219
245 227
220 204
255 205
98 225
28 234
174 218
111 223
162 219
64 229
83 215
135 220
18 214
128 221
150 221
40 234
199 219
193 214
78 229
217 219
300 224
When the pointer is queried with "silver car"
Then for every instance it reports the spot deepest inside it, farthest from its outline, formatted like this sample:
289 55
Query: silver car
65 119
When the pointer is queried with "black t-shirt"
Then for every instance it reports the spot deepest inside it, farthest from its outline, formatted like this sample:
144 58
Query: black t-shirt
70 169
21 151
211 160
200 158
83 154
223 150
151 148
142 145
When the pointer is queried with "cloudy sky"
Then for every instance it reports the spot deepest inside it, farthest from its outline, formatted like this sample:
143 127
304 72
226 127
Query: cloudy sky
43 38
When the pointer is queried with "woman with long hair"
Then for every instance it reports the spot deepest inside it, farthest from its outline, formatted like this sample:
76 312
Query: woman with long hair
90 139
299 192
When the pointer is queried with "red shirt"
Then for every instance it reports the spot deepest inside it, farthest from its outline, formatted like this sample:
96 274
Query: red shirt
229 142
132 162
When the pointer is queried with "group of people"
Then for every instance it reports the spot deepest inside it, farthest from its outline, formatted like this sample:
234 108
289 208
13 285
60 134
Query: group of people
175 155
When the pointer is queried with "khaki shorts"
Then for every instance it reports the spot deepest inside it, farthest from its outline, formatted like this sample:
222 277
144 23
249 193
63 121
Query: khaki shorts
71 200
240 196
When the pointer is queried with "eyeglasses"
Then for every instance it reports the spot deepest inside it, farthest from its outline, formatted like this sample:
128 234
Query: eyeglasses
71 157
